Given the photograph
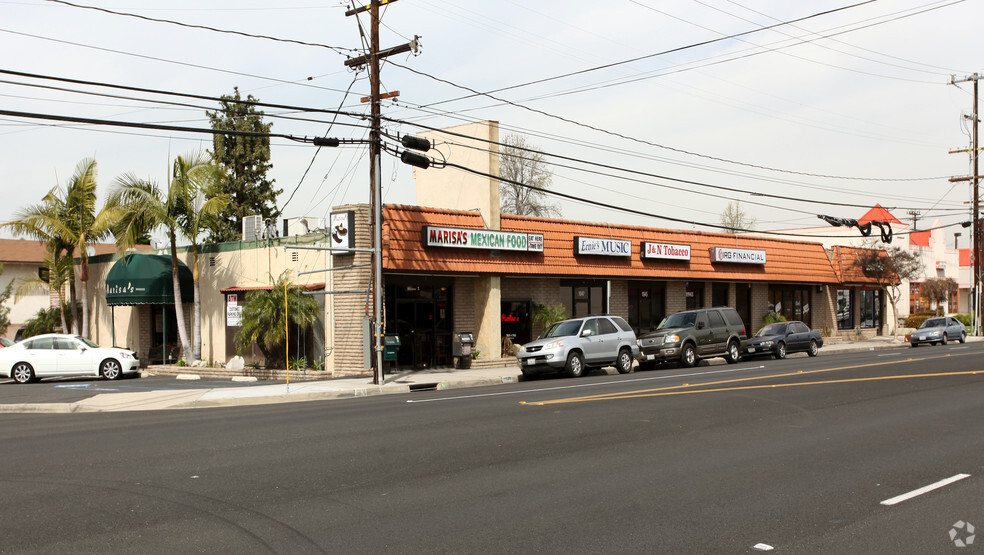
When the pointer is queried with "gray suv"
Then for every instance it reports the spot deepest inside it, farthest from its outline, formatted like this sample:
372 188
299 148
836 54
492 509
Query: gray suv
572 346
692 335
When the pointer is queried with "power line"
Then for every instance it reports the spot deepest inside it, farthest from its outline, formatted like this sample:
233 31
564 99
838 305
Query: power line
315 155
658 145
645 156
639 172
93 121
165 60
335 49
647 56
640 212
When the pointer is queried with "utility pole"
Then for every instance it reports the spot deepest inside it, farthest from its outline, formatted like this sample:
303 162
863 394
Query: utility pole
375 170
975 249
915 217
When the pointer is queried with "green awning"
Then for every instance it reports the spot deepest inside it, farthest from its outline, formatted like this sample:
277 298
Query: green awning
146 279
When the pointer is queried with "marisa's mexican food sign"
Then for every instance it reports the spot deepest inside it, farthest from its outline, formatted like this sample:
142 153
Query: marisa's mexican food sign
482 239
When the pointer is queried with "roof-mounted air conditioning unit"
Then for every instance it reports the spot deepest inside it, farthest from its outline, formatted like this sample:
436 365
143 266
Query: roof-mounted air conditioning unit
252 228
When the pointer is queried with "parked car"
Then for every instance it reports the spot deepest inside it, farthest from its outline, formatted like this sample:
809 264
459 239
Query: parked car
782 338
938 330
575 345
61 355
4 342
692 335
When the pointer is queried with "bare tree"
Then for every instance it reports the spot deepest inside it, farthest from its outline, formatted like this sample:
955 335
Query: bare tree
938 290
890 267
734 219
518 168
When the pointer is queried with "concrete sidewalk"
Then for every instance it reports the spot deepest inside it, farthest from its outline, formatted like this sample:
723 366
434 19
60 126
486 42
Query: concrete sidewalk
401 382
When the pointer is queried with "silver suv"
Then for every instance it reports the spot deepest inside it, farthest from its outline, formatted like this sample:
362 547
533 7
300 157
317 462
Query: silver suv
572 346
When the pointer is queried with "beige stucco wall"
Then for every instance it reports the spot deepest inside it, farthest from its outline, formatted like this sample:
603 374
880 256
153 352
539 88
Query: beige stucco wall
234 264
458 189
26 305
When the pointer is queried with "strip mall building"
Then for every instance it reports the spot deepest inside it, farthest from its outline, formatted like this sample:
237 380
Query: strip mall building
453 263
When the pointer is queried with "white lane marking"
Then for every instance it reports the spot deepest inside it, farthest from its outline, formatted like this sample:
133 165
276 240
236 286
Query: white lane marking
584 385
925 489
890 355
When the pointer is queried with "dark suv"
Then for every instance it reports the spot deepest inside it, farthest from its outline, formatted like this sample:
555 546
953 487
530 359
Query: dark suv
692 335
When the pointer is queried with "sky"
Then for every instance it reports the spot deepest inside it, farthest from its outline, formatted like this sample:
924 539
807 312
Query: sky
668 108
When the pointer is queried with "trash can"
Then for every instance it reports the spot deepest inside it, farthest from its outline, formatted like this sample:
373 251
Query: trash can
461 348
391 345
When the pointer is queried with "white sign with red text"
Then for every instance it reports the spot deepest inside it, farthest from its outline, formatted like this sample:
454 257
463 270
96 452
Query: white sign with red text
665 251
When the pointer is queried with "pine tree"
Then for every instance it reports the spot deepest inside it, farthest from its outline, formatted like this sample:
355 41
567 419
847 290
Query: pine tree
246 161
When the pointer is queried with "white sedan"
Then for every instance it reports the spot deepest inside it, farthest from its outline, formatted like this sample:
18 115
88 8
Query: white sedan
55 354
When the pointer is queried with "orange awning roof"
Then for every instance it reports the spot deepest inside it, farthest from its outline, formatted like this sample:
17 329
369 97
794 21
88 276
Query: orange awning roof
787 261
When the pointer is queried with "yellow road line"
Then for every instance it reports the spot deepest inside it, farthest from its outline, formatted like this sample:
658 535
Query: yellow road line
652 392
641 394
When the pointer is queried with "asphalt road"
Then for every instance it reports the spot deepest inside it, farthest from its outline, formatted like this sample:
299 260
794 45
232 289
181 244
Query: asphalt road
798 455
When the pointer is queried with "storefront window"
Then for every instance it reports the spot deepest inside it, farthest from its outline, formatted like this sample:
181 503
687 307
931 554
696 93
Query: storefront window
517 321
419 310
870 308
695 295
719 294
845 309
583 298
647 305
791 301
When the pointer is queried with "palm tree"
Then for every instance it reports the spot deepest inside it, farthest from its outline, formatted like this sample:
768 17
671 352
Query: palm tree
81 225
263 318
67 222
145 206
199 180
180 209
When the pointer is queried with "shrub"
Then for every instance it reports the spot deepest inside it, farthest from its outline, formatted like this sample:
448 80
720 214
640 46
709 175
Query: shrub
965 319
772 317
915 320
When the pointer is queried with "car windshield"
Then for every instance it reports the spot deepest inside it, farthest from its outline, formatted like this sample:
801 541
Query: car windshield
772 329
86 341
679 320
5 342
564 329
933 323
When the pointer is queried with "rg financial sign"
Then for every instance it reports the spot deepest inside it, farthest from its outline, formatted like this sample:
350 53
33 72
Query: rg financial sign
486 239
740 256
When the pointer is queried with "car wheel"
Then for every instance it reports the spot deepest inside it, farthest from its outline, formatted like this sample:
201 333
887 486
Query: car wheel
813 348
734 354
963 337
780 352
527 375
575 365
111 369
943 339
914 345
624 362
688 357
23 373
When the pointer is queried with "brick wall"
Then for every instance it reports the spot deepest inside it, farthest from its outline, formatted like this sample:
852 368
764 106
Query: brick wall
464 304
347 310
618 303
